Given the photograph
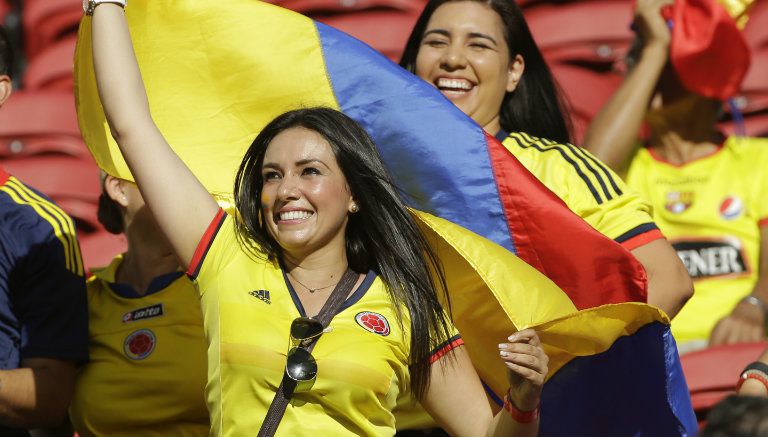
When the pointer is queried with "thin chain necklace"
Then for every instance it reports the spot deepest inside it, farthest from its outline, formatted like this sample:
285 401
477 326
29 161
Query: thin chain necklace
311 290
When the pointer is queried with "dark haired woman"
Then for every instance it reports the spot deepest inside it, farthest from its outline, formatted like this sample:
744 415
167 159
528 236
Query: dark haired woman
480 54
316 207
147 345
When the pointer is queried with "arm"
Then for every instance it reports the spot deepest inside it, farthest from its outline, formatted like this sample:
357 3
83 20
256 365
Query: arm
746 323
181 205
669 285
457 401
37 394
612 135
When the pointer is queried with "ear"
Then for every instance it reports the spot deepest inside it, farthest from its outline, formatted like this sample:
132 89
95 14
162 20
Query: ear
115 189
6 86
515 72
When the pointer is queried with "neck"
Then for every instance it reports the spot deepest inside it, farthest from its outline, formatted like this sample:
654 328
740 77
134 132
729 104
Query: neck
682 141
318 269
148 257
494 126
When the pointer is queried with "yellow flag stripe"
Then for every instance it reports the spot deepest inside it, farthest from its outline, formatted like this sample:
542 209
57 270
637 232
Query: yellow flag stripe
59 221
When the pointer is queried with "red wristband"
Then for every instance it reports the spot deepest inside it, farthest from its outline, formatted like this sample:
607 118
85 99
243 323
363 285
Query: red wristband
753 374
520 416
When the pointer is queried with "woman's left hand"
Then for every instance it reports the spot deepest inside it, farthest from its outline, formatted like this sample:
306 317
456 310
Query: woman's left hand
527 367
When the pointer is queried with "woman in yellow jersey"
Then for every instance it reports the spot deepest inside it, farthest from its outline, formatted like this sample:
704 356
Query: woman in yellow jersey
708 191
147 371
314 201
480 54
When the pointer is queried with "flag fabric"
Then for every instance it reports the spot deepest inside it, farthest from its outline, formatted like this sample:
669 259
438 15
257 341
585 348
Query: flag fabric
217 73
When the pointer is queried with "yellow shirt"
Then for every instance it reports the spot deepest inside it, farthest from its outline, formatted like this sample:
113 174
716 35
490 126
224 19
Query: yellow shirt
146 376
711 209
588 187
249 306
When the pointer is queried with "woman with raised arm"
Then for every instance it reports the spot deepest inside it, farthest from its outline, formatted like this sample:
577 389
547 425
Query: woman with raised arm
146 339
319 225
481 55
708 191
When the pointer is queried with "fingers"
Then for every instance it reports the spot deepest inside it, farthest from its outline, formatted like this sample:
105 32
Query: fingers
731 330
525 357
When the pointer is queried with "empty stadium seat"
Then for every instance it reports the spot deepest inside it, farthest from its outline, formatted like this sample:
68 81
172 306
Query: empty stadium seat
52 68
324 7
712 373
59 176
593 31
756 30
33 123
99 248
48 21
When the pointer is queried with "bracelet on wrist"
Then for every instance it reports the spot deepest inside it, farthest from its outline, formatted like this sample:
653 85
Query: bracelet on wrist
757 371
518 415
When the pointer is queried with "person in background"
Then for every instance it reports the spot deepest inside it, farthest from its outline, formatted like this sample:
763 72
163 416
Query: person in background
315 207
43 314
147 346
738 416
481 55
708 191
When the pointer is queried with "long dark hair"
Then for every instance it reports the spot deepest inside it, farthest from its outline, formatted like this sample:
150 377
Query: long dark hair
382 236
536 106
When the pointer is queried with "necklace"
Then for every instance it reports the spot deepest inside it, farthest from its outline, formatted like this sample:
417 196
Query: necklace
311 290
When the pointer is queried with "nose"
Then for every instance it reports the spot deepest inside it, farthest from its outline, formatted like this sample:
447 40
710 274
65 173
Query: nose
289 188
453 58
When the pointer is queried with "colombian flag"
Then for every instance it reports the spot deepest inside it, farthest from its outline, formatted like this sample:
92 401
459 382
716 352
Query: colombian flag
217 72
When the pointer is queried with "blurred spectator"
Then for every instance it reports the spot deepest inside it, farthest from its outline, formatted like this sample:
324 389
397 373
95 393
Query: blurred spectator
43 325
146 330
738 416
708 191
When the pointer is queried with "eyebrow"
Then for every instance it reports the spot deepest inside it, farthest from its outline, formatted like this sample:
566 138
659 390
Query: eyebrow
445 33
298 163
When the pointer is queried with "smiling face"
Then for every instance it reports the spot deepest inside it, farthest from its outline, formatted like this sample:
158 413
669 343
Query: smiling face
305 197
465 55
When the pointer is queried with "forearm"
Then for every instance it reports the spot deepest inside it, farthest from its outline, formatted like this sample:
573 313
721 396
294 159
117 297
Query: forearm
669 285
182 206
612 135
35 397
503 425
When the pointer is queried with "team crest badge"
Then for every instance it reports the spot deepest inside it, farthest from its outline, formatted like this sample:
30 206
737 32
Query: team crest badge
139 344
373 322
678 201
731 208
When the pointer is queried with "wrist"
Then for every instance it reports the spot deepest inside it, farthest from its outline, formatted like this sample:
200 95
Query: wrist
520 416
758 303
90 5
752 377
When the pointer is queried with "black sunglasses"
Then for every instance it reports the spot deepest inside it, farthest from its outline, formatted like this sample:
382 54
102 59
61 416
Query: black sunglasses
301 367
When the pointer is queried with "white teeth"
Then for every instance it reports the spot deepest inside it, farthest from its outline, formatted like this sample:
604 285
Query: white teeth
454 84
295 215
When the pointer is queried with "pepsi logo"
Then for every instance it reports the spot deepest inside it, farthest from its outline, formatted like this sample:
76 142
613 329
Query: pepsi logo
731 208
139 344
373 322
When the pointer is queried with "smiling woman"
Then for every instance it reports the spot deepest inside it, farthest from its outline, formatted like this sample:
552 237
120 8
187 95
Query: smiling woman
481 55
316 210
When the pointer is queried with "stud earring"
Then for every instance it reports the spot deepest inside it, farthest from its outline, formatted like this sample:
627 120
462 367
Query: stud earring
354 208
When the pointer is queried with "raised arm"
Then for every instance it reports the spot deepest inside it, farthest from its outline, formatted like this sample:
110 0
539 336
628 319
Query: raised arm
458 403
182 206
612 135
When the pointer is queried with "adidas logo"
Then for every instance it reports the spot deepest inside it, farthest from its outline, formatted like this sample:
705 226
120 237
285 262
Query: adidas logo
262 295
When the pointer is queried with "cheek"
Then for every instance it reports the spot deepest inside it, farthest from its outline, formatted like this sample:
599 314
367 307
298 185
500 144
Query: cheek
425 61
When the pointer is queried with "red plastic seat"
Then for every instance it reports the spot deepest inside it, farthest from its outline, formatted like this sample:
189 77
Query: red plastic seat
593 31
33 123
100 247
712 373
48 21
755 30
384 30
52 68
312 8
59 176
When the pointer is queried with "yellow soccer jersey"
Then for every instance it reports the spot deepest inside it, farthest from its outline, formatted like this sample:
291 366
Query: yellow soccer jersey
587 186
147 373
711 209
249 306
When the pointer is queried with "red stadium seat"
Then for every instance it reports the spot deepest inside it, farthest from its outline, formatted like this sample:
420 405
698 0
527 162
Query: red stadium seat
712 373
755 30
563 32
382 24
59 176
52 68
755 86
99 248
37 123
48 21
587 92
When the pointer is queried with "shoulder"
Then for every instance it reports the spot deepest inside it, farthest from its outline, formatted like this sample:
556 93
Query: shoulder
565 169
748 148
